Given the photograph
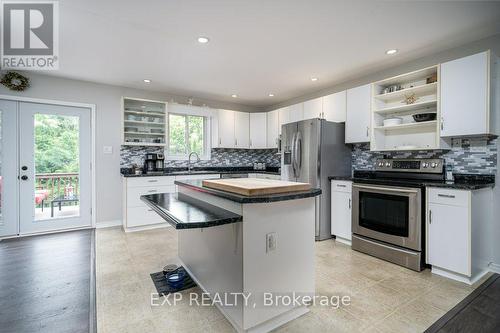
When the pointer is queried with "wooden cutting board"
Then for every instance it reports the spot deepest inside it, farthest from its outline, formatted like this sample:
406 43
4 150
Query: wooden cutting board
255 186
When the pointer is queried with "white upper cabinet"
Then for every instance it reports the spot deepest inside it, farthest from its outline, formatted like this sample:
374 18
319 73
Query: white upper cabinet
226 129
283 117
273 129
358 106
334 107
241 130
467 97
258 129
313 108
296 112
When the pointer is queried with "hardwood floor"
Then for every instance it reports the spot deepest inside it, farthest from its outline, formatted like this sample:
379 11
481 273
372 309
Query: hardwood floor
47 283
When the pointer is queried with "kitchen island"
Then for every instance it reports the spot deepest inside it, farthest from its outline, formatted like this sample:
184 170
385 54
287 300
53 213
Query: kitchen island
252 250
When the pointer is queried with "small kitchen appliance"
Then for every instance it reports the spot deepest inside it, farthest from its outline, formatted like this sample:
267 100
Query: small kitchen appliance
154 163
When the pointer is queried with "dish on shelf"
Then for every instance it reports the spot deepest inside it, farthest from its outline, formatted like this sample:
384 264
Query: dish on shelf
427 116
130 129
393 121
157 130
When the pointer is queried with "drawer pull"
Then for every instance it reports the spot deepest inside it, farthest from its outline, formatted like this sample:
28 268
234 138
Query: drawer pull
338 185
446 196
150 210
430 216
153 181
349 203
151 191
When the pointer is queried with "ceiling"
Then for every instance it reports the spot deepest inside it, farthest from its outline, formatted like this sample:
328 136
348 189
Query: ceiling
256 47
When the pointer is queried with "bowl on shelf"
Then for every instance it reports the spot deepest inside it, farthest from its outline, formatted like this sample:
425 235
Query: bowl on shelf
393 121
428 116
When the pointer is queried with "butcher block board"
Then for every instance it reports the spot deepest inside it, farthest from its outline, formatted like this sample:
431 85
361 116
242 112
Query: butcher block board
255 186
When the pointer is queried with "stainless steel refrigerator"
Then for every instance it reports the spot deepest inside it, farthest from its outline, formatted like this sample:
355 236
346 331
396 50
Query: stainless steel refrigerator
311 151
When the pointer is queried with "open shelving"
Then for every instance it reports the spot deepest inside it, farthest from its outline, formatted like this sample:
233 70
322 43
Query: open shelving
144 122
390 99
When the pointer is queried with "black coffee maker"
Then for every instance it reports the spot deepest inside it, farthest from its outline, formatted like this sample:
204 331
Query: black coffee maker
154 163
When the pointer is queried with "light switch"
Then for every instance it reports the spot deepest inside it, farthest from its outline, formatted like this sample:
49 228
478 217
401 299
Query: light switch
270 242
107 149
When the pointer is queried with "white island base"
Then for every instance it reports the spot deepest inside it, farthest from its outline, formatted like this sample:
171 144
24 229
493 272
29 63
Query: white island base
235 258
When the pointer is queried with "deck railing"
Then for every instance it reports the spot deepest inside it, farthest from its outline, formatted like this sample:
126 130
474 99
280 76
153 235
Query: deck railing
57 184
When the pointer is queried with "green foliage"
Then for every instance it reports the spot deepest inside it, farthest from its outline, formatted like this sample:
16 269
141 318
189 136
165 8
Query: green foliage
56 144
179 126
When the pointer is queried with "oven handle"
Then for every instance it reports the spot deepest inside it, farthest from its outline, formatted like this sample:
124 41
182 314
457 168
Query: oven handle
384 189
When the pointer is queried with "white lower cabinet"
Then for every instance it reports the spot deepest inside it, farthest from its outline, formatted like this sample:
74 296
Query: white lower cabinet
458 236
341 207
136 214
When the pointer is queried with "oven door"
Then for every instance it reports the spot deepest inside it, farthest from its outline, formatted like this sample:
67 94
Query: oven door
387 213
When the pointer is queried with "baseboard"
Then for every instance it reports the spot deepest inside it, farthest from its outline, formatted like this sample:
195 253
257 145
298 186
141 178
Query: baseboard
108 224
147 227
495 268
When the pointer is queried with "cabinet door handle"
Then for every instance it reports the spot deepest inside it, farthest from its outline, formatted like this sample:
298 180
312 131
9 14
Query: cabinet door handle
235 142
153 181
151 191
442 123
367 131
349 203
250 142
340 185
430 216
220 141
446 196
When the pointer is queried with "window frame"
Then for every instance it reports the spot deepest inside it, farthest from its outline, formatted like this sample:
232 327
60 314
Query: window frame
206 136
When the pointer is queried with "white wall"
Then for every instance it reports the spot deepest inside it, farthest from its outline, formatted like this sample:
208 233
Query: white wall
107 99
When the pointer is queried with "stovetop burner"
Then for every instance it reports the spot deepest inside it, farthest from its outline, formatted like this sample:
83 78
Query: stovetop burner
403 172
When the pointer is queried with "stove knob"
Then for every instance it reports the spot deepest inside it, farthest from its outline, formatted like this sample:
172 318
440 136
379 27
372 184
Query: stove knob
424 165
387 164
433 164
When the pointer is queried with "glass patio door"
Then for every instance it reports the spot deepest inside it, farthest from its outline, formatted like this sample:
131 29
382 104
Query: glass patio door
54 167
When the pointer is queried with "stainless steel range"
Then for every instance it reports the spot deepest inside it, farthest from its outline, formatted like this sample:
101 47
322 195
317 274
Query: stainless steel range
388 209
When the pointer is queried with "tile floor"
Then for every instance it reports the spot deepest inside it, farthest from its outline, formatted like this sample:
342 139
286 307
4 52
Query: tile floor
384 297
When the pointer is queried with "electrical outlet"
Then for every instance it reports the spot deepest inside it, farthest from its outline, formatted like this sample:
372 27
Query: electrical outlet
107 149
270 242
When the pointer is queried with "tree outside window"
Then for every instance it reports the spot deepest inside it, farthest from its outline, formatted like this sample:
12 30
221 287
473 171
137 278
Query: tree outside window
186 134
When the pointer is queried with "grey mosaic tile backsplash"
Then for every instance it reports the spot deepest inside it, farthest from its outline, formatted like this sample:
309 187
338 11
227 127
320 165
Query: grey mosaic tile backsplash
220 157
471 155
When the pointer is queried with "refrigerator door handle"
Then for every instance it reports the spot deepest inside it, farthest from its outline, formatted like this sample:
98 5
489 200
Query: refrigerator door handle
293 156
298 152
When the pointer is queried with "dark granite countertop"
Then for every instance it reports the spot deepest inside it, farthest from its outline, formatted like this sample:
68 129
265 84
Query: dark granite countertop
340 178
461 181
127 172
184 212
466 182
197 185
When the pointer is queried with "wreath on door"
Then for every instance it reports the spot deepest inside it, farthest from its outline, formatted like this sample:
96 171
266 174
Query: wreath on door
15 81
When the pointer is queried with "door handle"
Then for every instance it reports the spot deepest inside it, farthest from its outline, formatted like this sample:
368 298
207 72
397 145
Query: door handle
430 216
446 196
24 177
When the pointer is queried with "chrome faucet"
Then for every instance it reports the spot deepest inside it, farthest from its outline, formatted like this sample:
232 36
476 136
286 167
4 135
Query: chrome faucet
189 160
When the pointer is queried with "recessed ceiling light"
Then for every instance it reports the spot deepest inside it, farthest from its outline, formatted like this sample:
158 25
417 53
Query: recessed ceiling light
271 95
147 81
203 40
314 79
391 51
234 96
